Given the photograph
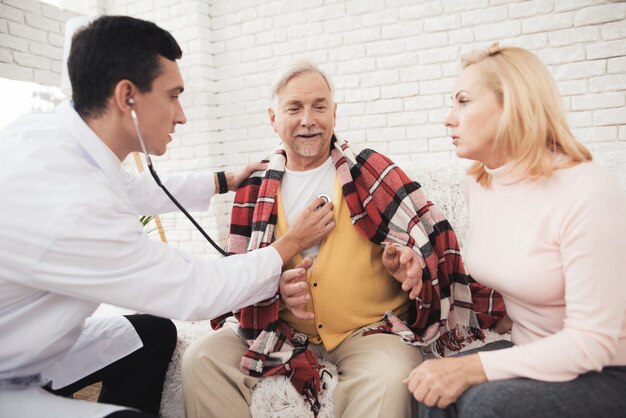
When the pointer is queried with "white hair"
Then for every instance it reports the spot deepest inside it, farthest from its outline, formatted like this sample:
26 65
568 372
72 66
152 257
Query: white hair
295 69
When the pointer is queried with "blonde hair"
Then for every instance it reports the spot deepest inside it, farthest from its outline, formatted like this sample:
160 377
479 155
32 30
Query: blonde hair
295 69
533 127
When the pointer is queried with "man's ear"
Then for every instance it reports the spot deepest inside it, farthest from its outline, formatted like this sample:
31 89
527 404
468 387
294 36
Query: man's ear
335 115
123 91
272 116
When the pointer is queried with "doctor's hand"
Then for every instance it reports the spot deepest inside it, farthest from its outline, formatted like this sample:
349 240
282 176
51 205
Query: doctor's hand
294 289
235 178
441 382
308 228
404 265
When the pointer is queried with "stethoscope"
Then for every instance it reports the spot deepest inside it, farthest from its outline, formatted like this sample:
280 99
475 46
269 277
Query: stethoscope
133 115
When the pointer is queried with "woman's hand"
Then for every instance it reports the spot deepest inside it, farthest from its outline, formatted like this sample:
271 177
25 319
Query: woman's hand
441 382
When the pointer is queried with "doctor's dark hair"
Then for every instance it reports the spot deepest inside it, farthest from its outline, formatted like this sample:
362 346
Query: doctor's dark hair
111 49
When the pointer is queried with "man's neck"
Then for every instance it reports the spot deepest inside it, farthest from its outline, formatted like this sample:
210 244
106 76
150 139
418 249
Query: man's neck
107 129
305 164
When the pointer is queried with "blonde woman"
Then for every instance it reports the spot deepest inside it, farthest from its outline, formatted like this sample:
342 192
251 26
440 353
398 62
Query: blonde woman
548 231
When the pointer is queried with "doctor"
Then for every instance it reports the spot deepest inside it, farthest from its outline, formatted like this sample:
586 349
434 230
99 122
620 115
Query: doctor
70 236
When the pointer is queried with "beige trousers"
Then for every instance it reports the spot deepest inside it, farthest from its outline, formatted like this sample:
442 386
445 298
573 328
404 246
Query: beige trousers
371 370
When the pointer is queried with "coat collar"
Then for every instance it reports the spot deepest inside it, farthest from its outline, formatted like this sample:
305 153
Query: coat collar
97 152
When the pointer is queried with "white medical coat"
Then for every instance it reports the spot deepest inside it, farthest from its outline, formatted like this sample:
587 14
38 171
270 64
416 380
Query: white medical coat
70 239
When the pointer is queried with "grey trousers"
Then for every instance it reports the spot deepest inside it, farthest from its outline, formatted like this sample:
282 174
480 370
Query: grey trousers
593 394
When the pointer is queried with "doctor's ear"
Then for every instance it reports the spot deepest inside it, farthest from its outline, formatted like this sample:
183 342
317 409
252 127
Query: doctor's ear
123 95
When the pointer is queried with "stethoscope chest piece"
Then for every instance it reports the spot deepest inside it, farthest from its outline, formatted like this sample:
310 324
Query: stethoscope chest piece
325 197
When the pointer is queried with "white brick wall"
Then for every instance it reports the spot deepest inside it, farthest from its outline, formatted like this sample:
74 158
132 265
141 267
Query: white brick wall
31 41
393 64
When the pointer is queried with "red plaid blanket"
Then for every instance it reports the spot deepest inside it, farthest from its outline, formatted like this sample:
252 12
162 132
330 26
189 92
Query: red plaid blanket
385 206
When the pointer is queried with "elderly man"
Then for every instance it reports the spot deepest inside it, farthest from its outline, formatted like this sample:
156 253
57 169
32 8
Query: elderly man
386 269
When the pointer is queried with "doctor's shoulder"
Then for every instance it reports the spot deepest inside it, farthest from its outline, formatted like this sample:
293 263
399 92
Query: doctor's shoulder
41 156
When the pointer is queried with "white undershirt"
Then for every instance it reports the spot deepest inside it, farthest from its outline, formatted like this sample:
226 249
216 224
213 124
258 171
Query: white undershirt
299 188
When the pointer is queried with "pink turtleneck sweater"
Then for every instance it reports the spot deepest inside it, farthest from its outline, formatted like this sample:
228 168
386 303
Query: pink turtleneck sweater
556 250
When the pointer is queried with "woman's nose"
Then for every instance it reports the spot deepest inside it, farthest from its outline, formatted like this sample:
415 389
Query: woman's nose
450 119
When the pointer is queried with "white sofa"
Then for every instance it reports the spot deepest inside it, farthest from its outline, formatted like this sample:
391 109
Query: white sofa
442 181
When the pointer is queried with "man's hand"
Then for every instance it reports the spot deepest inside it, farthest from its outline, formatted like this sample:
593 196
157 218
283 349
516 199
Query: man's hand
504 325
235 178
313 223
308 228
404 265
294 290
441 382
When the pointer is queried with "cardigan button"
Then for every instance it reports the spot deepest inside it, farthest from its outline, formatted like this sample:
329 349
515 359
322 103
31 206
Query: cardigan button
314 284
320 325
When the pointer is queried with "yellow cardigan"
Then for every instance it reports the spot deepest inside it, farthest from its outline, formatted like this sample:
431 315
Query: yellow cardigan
349 285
